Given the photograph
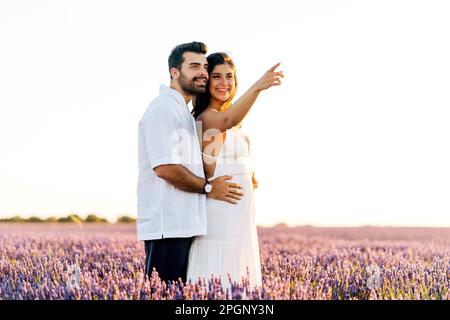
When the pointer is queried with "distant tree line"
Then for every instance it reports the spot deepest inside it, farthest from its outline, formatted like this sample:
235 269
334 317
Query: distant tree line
74 218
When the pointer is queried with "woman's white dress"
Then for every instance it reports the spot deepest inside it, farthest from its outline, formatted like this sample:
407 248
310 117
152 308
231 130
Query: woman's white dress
231 244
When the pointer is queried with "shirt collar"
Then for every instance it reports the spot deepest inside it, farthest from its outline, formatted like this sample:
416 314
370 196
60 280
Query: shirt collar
165 89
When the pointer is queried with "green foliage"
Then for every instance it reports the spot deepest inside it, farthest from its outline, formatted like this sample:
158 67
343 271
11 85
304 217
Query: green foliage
94 218
71 218
74 218
126 219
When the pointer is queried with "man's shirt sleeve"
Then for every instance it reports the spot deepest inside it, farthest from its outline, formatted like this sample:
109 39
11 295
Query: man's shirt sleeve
162 138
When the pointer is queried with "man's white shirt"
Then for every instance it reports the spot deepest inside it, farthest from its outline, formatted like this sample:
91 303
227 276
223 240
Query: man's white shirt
168 135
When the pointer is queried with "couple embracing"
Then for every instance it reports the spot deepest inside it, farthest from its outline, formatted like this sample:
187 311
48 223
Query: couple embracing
196 212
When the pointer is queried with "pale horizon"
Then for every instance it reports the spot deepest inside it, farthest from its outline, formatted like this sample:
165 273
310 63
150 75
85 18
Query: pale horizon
357 135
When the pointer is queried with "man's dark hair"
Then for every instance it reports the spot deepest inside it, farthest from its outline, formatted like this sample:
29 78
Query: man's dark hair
176 56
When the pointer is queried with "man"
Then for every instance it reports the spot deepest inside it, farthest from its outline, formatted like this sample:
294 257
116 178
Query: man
172 188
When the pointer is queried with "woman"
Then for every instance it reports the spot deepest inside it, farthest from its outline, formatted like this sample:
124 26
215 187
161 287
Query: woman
231 246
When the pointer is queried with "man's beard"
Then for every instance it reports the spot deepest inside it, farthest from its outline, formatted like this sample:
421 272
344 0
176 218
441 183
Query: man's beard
189 86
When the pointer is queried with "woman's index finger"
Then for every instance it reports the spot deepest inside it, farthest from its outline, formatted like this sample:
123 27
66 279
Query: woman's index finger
274 67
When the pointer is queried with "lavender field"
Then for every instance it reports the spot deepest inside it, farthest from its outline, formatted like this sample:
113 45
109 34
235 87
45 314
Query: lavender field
101 261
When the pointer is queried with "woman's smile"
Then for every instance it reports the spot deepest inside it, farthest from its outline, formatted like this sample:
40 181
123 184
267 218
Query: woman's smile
222 91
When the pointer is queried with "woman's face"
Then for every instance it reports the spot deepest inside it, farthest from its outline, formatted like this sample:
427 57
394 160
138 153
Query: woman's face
221 82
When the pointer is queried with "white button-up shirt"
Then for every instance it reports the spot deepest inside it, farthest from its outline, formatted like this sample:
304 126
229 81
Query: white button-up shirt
168 135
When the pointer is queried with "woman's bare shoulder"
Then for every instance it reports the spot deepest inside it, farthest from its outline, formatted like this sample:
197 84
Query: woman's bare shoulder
213 119
208 115
209 112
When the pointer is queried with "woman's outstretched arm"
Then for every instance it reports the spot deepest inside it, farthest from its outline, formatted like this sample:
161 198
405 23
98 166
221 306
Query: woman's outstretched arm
213 119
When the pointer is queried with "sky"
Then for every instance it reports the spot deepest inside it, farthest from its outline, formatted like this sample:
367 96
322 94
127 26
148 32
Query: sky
357 134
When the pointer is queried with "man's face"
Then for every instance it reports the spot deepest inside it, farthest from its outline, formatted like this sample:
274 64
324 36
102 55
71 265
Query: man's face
193 76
